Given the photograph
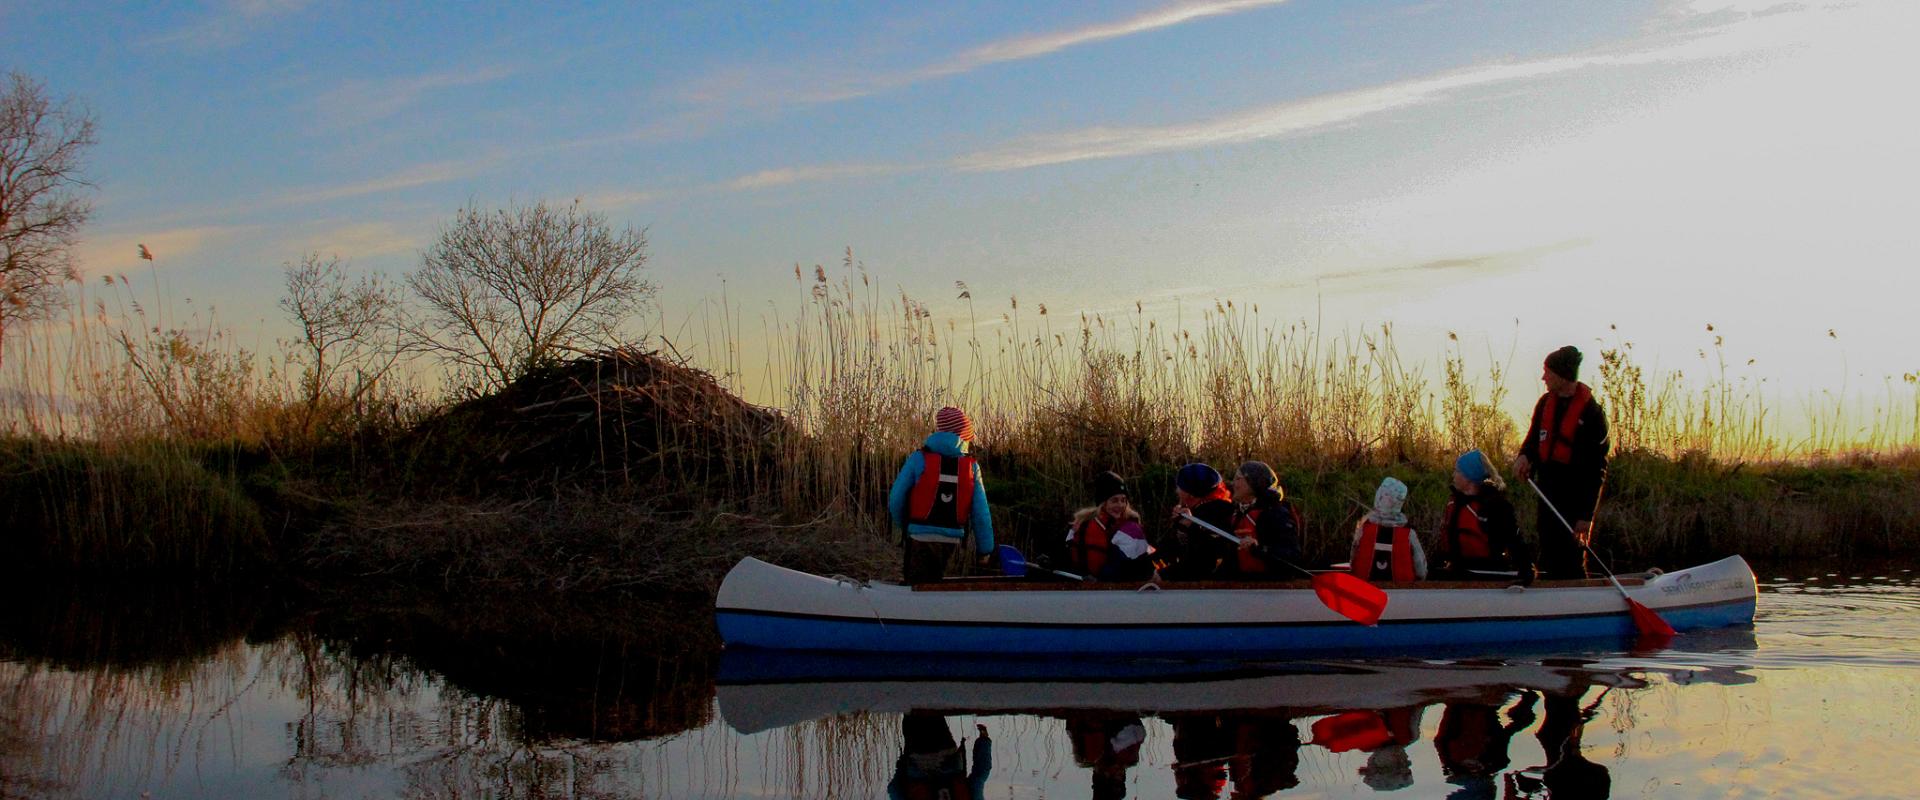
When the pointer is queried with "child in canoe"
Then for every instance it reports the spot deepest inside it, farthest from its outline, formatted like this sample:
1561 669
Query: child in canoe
1106 541
1384 545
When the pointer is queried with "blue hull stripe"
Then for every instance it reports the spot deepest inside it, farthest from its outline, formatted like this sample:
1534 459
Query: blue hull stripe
801 632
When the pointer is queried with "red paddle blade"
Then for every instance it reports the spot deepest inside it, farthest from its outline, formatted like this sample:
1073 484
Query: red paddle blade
1652 628
1350 597
1351 730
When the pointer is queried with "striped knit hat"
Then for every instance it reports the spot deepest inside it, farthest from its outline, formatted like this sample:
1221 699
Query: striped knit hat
954 421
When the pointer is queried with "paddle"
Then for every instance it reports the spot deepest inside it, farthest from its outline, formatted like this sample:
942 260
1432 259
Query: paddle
1648 623
1341 592
1015 565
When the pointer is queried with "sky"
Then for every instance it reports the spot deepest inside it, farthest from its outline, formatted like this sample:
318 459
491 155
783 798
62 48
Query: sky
1522 173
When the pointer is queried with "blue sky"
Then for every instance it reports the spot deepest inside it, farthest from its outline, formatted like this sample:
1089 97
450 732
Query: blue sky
1525 173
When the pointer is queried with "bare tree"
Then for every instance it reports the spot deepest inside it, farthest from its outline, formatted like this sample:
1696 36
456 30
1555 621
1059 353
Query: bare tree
505 290
41 211
348 328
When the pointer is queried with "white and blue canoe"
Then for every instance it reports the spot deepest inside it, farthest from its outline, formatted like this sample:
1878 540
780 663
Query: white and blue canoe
766 606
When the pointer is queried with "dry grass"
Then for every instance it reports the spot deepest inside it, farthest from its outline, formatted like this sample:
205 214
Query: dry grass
600 474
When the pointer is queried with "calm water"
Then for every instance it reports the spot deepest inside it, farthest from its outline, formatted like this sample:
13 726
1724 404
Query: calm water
270 700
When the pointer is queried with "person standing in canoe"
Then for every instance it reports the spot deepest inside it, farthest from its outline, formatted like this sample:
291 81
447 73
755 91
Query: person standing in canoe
1106 542
1193 552
1478 533
1565 454
1384 545
1268 527
937 496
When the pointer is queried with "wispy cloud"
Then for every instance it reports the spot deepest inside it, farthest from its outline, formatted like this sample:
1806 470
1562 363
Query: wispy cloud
358 102
121 252
366 239
815 172
788 85
1327 112
231 23
618 198
421 175
1475 265
1021 48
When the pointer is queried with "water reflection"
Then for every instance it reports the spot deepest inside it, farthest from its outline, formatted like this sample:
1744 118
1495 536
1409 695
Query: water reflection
932 766
237 692
1235 727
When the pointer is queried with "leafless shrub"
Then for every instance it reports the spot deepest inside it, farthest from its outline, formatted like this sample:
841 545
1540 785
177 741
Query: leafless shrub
42 143
507 290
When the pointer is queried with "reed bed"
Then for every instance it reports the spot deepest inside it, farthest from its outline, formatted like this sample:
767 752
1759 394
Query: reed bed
571 479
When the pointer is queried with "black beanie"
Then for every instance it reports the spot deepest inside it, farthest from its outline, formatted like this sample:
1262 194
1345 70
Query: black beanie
1106 485
1565 362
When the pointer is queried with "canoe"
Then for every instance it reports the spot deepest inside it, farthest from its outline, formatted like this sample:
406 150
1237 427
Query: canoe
764 689
767 606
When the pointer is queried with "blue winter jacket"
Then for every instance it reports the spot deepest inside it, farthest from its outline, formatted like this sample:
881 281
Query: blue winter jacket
978 517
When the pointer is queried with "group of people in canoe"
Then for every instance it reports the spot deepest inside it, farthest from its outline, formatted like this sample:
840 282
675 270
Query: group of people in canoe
1243 528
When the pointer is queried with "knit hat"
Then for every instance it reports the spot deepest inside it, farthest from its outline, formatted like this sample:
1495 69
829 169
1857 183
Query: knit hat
954 421
1565 362
1197 479
1260 477
1473 465
1106 485
1387 502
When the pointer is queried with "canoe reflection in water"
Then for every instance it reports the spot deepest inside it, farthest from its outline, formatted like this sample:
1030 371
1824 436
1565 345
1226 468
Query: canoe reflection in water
1237 727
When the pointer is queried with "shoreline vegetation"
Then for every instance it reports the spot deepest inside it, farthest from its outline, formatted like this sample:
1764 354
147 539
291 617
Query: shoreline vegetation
634 472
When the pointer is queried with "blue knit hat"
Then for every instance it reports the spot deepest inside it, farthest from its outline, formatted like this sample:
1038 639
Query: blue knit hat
1473 465
1197 479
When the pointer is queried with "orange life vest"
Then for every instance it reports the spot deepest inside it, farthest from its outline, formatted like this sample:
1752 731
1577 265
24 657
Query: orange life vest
1388 558
1464 537
944 494
1554 442
1090 545
1365 730
1245 526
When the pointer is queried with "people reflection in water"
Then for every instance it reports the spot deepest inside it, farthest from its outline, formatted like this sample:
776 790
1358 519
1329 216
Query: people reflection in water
1567 775
1259 753
1472 743
1384 735
1388 766
933 766
1109 746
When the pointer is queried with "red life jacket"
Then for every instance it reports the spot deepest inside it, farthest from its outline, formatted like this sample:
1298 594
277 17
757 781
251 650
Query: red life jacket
1246 526
1090 544
1391 558
1465 538
944 494
1554 442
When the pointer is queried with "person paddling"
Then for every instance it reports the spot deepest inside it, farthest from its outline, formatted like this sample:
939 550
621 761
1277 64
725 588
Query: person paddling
1193 552
1384 545
1268 527
1565 453
1479 538
1106 542
937 496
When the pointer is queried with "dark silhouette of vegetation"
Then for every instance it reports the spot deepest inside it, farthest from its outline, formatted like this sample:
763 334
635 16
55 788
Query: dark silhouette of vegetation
42 146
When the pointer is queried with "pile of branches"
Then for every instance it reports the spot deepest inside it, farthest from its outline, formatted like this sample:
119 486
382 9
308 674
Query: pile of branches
622 419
